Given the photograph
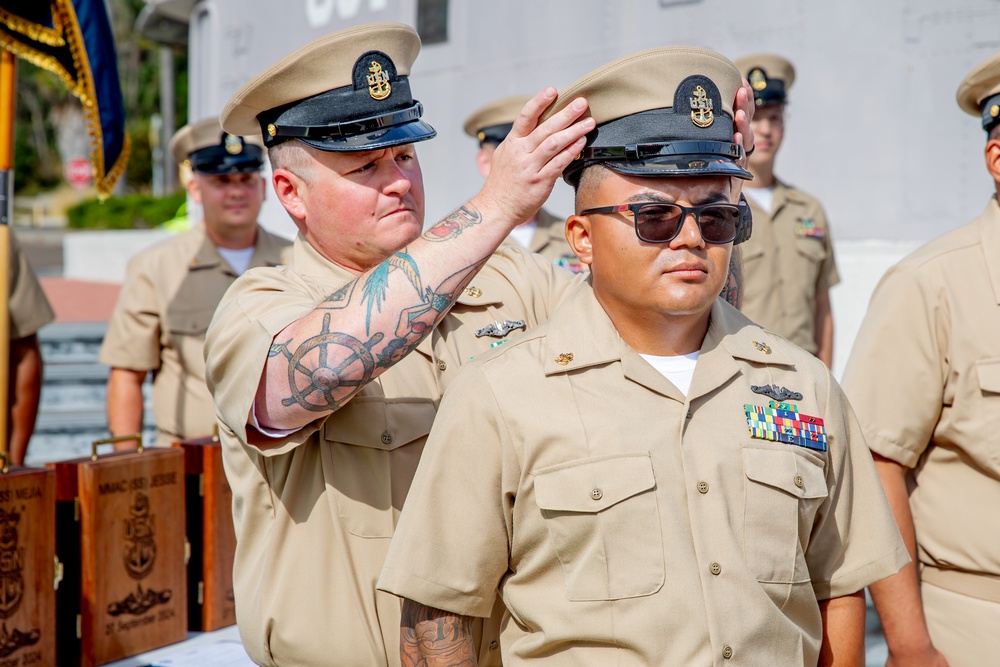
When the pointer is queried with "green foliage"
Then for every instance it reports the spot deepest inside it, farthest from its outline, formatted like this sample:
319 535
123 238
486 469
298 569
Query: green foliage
126 212
139 170
36 165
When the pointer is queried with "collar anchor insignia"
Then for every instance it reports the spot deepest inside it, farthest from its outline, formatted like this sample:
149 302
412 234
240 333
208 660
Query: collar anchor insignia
776 392
500 329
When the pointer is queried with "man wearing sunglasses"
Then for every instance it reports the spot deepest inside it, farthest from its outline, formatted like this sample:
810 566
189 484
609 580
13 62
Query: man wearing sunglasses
327 374
924 378
788 265
648 478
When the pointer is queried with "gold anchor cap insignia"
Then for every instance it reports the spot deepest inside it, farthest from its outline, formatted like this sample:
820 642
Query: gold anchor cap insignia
564 358
378 81
271 130
233 144
757 79
763 347
701 108
995 110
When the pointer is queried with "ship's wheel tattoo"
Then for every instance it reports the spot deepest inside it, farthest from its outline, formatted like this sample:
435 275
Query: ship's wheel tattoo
313 388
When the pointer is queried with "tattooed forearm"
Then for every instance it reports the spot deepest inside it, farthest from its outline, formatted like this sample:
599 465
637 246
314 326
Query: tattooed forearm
465 217
377 282
340 298
328 368
318 389
431 637
733 290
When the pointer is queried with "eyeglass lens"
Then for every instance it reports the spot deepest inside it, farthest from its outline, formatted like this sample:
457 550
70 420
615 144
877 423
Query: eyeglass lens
659 223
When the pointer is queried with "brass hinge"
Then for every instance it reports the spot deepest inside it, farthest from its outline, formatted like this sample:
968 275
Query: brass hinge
201 593
79 626
59 572
187 551
201 485
76 509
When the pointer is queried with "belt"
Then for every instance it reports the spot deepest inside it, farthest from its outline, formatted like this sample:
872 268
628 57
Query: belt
973 584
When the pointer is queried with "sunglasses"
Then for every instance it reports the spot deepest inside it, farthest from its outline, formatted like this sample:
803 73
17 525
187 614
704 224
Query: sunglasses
658 222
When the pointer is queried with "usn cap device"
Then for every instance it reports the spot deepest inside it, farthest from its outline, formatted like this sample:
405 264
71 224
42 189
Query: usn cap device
347 91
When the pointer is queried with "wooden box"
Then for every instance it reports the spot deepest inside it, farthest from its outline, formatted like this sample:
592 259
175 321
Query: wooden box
120 537
27 568
213 539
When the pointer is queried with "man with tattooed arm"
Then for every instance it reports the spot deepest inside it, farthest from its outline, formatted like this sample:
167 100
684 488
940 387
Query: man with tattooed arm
648 478
327 373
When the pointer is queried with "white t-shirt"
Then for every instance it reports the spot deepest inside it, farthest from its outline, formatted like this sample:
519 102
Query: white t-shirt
523 233
679 370
239 260
763 197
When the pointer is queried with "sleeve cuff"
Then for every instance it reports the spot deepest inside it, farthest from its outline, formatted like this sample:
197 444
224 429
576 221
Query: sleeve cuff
432 594
269 432
894 452
855 580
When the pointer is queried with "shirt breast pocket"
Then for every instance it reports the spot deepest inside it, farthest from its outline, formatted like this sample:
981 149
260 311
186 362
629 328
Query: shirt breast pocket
602 516
784 491
188 321
811 252
371 448
988 372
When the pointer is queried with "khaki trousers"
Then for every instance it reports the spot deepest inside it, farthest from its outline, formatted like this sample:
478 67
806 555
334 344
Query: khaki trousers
963 628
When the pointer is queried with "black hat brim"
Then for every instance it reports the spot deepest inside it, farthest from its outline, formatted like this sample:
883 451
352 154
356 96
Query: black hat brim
228 165
397 135
679 165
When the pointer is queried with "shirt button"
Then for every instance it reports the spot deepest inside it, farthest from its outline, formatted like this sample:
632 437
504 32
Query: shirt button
702 487
798 481
715 569
387 438
493 645
727 652
442 366
596 494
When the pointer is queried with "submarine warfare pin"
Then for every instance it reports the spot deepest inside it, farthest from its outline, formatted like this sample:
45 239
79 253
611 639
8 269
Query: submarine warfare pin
500 329
776 392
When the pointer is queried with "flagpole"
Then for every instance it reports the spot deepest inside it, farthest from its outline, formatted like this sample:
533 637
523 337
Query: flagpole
8 85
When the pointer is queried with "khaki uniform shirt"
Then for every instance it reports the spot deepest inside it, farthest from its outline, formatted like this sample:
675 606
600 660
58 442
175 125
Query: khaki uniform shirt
549 241
29 309
786 263
924 378
626 524
314 512
167 301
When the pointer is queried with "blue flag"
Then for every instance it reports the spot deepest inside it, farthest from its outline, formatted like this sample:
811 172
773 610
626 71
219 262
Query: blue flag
73 39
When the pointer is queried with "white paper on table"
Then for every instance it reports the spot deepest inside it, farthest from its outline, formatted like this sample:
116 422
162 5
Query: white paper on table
219 654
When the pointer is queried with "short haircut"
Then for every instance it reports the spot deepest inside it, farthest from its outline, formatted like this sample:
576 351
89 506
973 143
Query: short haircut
588 178
291 155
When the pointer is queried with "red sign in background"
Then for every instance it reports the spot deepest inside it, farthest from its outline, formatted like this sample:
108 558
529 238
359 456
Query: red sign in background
79 173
